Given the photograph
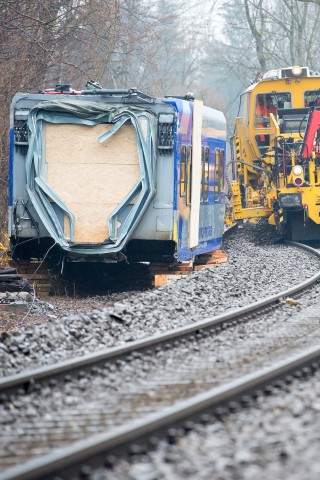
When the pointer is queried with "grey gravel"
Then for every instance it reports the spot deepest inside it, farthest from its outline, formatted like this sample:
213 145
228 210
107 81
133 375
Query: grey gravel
104 400
126 390
276 438
256 268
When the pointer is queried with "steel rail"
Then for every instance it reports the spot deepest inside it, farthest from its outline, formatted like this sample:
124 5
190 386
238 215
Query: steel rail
20 380
65 461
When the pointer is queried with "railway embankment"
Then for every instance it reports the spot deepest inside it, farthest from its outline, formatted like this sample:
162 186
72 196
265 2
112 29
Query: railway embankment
256 268
219 373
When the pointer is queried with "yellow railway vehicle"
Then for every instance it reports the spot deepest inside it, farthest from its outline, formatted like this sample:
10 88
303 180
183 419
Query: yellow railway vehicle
276 152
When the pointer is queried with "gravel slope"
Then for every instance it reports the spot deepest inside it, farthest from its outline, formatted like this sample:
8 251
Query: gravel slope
131 389
256 268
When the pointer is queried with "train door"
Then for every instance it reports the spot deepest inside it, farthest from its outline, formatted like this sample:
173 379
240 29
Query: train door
195 174
189 181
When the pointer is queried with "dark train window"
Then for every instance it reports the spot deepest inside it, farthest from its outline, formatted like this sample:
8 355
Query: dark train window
312 98
219 174
183 171
216 176
269 103
189 176
205 174
221 169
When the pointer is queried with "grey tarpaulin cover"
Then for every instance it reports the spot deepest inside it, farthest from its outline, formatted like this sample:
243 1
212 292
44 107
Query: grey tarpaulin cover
91 113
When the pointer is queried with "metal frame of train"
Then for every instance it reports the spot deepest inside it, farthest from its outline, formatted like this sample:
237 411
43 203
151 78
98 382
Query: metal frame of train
115 175
276 152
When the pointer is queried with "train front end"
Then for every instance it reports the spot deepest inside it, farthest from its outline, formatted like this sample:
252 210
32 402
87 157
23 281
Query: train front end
277 153
83 172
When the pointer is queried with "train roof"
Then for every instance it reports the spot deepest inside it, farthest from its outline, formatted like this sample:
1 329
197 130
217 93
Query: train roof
63 97
293 72
130 95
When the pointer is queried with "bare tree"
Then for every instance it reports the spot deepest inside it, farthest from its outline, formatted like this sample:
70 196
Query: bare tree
259 35
256 18
43 42
154 45
317 2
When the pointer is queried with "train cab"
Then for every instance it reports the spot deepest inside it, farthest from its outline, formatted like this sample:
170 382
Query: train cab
269 149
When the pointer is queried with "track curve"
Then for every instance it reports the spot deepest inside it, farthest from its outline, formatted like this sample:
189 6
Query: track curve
61 460
24 379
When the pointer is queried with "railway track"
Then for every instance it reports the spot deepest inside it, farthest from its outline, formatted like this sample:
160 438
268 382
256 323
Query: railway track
25 380
75 461
42 380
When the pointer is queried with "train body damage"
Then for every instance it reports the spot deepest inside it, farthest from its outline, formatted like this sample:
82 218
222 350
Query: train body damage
276 151
105 175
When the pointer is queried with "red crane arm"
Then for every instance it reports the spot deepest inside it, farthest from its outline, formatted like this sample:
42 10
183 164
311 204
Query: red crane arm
312 127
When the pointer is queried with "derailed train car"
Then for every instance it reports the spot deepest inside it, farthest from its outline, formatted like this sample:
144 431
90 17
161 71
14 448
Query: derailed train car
106 175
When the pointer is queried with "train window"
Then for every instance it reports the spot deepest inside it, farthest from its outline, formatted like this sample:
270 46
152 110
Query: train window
205 174
261 113
216 176
202 171
269 103
189 176
221 170
219 174
312 98
183 171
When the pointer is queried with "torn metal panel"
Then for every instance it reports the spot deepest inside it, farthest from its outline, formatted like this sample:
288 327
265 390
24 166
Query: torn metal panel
52 204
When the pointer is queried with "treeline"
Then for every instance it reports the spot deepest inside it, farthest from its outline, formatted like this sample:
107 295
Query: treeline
210 47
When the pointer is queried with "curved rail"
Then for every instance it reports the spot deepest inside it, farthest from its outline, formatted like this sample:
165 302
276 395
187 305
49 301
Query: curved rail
68 460
46 373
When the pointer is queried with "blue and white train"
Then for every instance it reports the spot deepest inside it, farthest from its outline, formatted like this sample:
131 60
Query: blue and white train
112 175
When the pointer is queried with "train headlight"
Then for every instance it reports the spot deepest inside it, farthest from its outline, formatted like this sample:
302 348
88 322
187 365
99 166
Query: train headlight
297 170
296 71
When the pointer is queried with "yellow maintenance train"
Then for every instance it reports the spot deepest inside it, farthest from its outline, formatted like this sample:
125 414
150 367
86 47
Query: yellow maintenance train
276 153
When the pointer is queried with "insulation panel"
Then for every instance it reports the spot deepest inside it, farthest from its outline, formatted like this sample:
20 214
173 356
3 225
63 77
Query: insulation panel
91 178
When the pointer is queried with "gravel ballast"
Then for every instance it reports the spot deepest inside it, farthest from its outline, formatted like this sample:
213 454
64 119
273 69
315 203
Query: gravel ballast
222 449
276 438
256 268
98 400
